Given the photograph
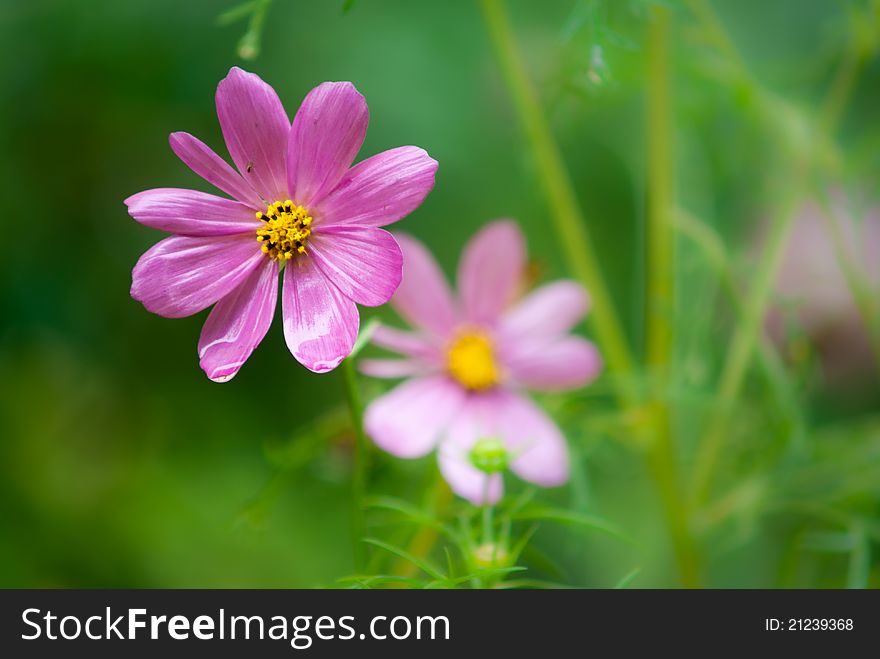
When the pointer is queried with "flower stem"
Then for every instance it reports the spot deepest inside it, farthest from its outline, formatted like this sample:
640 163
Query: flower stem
488 516
768 359
860 291
660 237
748 330
845 78
569 222
660 298
426 537
359 478
742 345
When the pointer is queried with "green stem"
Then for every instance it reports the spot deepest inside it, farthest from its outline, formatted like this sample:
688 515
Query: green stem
748 330
660 202
488 523
716 33
359 479
742 345
568 219
842 84
861 293
768 360
488 516
426 537
660 298
250 43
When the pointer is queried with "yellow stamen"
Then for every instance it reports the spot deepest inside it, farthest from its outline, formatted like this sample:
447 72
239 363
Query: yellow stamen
470 359
285 231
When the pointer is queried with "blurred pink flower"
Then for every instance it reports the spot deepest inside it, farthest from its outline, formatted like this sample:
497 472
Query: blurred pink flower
812 282
299 206
468 361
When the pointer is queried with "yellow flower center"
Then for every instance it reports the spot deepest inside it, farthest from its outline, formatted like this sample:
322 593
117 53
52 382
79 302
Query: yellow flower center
285 231
471 360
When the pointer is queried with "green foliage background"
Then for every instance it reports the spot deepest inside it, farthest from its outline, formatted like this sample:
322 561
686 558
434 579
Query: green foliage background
122 465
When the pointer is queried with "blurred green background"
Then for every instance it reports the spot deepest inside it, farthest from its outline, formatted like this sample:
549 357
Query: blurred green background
122 465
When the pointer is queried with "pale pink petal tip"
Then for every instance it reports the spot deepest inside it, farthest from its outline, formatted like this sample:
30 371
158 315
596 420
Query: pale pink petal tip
539 449
391 368
548 311
409 420
467 481
409 344
491 269
477 418
423 297
560 364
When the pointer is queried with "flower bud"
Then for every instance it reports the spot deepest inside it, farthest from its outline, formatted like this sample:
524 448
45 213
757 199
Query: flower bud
490 555
489 455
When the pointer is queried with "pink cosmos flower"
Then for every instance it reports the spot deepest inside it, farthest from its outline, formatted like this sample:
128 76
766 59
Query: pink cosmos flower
469 361
812 283
299 207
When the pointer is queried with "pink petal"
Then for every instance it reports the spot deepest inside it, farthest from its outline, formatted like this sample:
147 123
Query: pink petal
407 343
475 421
327 133
191 213
256 130
408 421
238 323
320 323
540 450
392 368
423 298
558 364
182 275
211 167
365 263
547 312
490 271
381 189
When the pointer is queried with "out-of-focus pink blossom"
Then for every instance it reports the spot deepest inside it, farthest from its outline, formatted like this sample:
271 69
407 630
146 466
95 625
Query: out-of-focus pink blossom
812 286
469 360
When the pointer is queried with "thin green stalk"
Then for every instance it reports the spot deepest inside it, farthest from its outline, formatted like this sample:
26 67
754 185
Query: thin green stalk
748 330
844 79
660 300
862 294
859 572
426 537
832 110
250 43
660 281
661 460
742 345
768 360
566 214
359 479
488 516
716 33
